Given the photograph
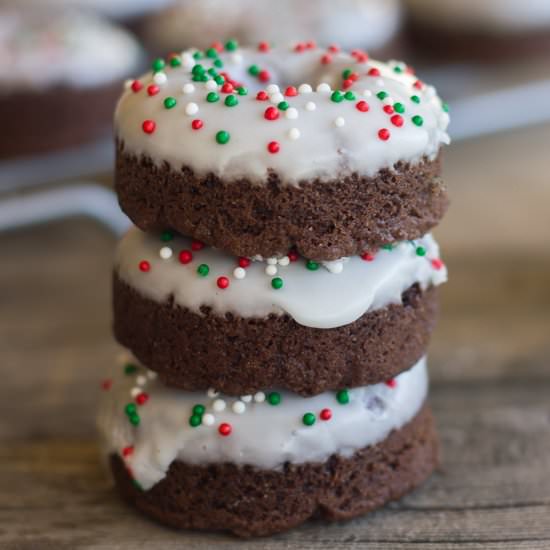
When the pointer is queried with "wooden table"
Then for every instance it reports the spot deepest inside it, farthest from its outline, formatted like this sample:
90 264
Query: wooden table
490 365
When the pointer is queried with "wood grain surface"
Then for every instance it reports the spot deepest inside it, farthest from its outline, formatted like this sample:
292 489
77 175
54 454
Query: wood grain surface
490 365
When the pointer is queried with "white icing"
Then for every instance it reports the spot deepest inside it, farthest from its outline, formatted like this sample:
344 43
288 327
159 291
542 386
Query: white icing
317 299
39 50
263 435
324 149
366 24
488 15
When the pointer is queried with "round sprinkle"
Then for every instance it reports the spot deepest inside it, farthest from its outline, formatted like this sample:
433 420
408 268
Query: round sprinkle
283 105
185 257
277 283
271 270
158 64
160 79
231 101
227 88
291 113
212 97
211 392
391 383
384 134
374 72
272 261
305 89
294 134
323 88
197 124
191 109
272 89
273 147
308 419
337 96
420 251
262 96
362 106
238 407
271 113
310 106
244 262
339 122
278 98
399 108
222 282
219 405
325 414
224 429
195 420
291 91
203 270
166 236
263 47
144 266
264 76
274 398
367 256
417 120
198 409
241 90
246 398
342 397
259 397
134 419
211 85
223 137
188 88
170 102
397 120
349 96
284 261
239 273
231 45
208 419
415 99
148 126
382 95
312 266
165 253
152 90
127 451
197 245
136 86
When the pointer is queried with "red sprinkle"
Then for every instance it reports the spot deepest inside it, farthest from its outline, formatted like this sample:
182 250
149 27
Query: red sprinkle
142 398
218 46
244 262
197 124
222 282
127 451
106 384
300 47
263 47
367 256
153 89
392 383
333 48
326 59
384 134
347 84
227 88
437 264
418 84
388 109
397 120
149 126
264 76
293 255
144 266
271 113
262 96
325 414
311 44
362 106
197 245
136 86
291 91
273 147
224 429
374 72
186 256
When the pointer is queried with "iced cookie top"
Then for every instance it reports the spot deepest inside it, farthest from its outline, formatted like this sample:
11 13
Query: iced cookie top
300 112
41 49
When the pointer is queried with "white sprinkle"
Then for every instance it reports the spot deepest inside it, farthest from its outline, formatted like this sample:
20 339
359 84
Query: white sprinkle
291 113
305 89
238 407
134 392
166 252
379 82
284 261
191 109
141 380
294 134
160 78
239 273
339 122
271 261
272 89
246 398
187 60
211 85
188 88
429 92
151 374
212 393
128 83
276 98
208 419
271 270
259 397
218 405
310 106
324 88
236 58
367 93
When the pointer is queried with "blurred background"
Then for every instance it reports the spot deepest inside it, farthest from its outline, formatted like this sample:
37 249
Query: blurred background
62 65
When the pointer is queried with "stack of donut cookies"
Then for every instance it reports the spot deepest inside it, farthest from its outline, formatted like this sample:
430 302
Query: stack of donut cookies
277 293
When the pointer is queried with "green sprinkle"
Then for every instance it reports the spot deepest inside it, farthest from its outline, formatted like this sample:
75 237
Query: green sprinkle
218 63
166 236
198 69
195 420
308 419
130 409
382 95
277 283
170 102
337 96
346 74
342 397
231 45
219 79
415 99
399 108
445 107
274 398
137 485
242 90
312 266
197 56
349 95
231 101
175 62
398 69
212 97
129 368
222 137
200 77
254 70
158 65
211 53
418 120
283 105
203 270
420 251
198 409
212 71
387 247
134 419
